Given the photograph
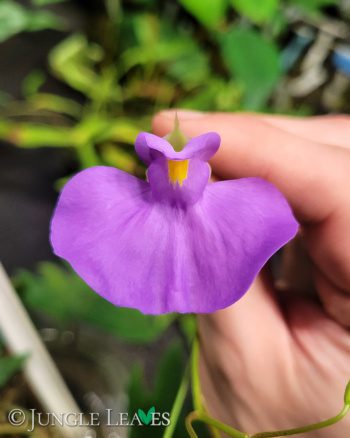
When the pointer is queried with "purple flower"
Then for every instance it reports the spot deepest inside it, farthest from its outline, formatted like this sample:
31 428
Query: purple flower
174 243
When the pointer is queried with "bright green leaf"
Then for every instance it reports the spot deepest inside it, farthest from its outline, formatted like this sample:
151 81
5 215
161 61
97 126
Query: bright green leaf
254 62
258 12
73 61
208 12
55 103
10 366
32 135
60 293
14 18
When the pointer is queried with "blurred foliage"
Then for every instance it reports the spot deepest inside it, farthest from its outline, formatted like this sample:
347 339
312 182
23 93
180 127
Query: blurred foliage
248 8
9 365
209 13
15 18
146 55
58 292
254 62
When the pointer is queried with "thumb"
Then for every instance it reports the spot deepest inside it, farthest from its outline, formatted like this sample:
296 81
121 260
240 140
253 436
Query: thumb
302 169
313 176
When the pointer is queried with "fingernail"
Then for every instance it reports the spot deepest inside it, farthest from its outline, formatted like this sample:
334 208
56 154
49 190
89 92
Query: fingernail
185 115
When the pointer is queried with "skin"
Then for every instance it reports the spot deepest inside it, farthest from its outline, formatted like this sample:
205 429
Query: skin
280 357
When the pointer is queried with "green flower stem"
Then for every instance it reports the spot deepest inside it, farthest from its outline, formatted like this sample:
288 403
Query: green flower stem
178 404
192 416
201 416
200 413
196 384
309 428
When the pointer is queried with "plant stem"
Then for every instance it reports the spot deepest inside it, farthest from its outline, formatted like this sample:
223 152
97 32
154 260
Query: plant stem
196 384
308 428
178 404
201 416
200 413
192 416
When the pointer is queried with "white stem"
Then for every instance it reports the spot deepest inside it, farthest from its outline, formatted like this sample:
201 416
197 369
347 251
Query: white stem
40 371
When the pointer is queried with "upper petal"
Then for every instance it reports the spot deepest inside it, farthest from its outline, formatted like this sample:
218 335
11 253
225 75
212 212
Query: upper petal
149 147
202 147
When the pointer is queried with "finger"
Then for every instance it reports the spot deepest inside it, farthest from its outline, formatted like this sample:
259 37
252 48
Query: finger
332 130
314 177
335 301
301 169
237 341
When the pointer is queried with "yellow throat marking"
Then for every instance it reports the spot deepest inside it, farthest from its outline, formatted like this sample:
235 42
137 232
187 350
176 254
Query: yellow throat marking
177 171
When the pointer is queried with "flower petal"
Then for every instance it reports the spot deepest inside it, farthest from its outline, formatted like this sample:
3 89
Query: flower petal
244 222
149 147
157 258
188 192
202 147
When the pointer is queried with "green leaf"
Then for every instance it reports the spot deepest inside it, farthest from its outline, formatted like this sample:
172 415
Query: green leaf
46 2
32 135
10 366
254 62
258 12
180 56
191 67
215 95
60 293
73 60
208 12
32 82
14 19
55 103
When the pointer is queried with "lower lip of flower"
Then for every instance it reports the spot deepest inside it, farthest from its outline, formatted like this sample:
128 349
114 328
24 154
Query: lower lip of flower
177 171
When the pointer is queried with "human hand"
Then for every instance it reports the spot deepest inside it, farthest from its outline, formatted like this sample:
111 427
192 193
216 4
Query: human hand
280 357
